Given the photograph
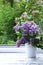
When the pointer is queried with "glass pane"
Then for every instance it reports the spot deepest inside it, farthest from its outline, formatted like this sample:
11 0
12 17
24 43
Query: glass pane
13 9
7 34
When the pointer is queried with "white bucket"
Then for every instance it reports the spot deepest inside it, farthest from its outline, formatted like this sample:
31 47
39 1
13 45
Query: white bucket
30 50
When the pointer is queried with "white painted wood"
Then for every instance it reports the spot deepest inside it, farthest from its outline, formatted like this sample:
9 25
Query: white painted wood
30 50
11 49
14 49
20 58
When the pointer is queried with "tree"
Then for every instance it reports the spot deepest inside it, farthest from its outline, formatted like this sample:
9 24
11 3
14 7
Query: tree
11 2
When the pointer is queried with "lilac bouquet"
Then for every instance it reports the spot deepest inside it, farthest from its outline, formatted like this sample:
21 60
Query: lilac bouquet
29 33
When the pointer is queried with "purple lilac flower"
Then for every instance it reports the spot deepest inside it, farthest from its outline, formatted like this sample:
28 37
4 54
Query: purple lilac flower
16 28
25 36
30 23
18 43
34 28
30 32
26 31
27 25
28 28
31 40
21 41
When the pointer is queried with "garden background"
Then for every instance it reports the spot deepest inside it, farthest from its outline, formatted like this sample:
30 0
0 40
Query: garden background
11 14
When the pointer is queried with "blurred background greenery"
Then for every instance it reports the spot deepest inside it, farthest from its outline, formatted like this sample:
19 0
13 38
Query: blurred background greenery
13 9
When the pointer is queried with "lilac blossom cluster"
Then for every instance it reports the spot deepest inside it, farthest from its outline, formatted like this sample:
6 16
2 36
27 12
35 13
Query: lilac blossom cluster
30 30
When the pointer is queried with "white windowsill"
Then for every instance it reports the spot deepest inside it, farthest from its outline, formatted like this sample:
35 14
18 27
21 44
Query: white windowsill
11 55
14 49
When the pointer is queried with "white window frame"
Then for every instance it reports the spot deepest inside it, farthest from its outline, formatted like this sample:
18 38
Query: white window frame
11 49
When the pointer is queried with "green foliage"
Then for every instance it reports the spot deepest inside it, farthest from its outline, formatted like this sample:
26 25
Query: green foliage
30 6
8 15
33 5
